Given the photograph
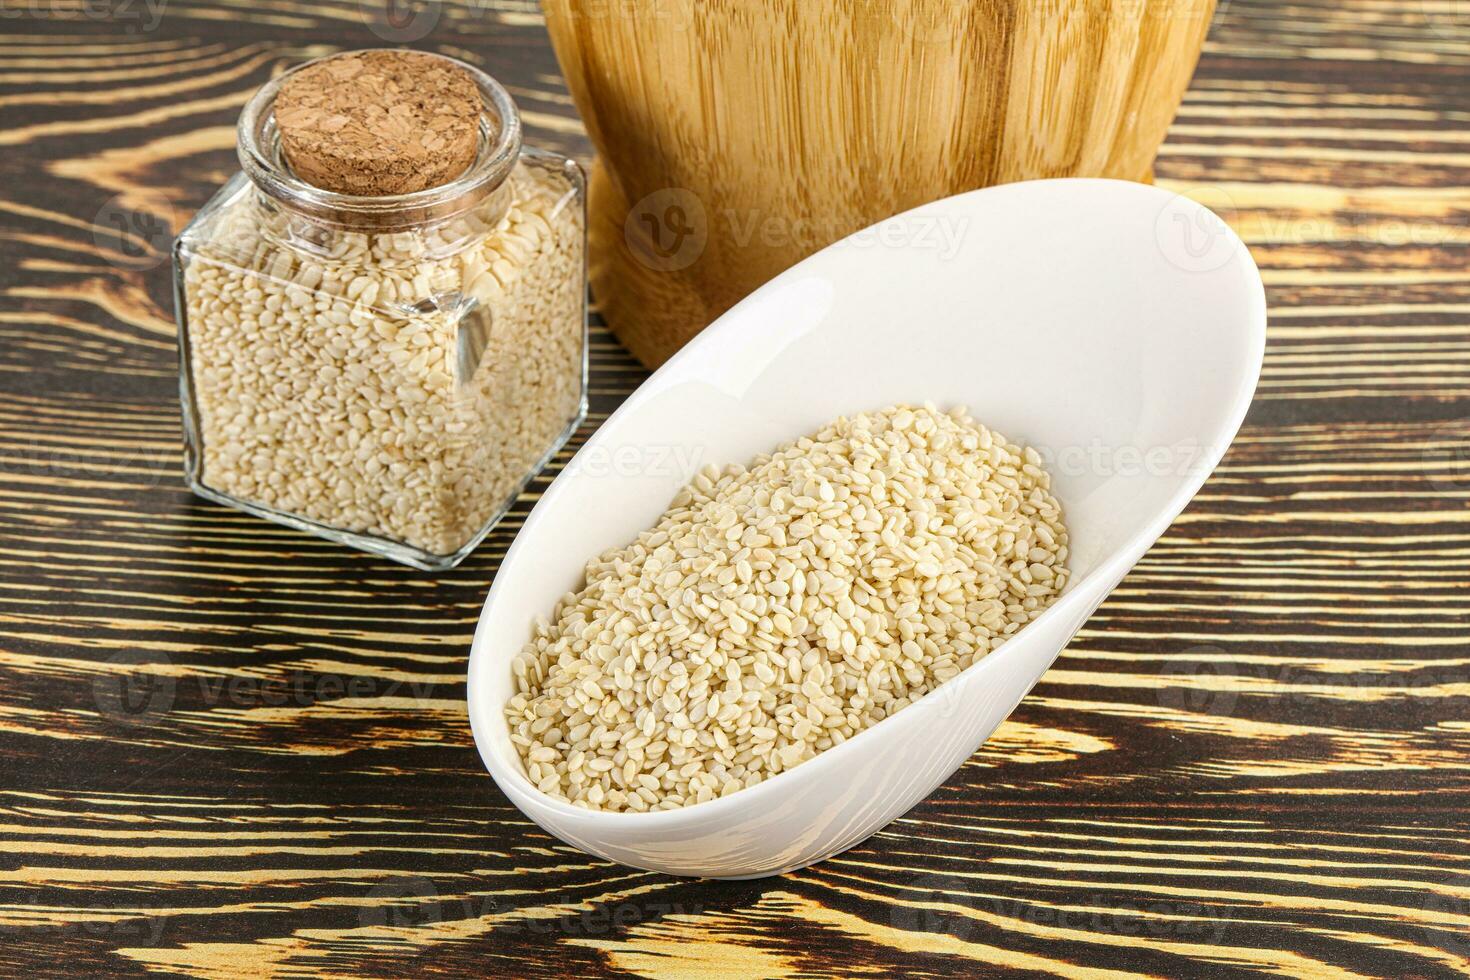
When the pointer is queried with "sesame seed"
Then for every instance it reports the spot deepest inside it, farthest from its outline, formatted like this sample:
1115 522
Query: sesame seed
324 378
911 544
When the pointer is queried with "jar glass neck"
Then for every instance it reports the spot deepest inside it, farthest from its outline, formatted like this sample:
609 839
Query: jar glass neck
481 189
402 245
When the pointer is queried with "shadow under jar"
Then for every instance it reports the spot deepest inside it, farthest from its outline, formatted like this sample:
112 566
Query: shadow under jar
386 372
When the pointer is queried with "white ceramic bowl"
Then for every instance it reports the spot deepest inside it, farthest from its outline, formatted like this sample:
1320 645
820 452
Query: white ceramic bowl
1116 327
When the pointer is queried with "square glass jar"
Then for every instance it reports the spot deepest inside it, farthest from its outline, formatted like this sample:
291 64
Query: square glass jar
386 372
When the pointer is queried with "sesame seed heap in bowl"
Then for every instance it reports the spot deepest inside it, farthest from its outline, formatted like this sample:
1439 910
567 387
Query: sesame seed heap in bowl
777 610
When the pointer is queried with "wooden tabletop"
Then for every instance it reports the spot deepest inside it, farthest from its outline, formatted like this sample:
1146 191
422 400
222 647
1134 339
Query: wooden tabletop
229 749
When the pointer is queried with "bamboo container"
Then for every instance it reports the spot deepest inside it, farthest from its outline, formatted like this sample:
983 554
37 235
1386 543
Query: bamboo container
735 137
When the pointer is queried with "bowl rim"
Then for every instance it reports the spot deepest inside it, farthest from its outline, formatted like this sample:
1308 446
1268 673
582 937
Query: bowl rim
517 786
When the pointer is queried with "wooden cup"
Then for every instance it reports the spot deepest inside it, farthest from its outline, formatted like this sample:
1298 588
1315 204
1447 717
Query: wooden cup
736 137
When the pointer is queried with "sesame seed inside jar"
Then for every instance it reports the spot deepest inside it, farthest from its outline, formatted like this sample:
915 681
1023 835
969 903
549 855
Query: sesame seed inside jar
385 371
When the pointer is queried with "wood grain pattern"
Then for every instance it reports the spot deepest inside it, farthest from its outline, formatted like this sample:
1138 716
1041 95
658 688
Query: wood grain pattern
230 750
736 137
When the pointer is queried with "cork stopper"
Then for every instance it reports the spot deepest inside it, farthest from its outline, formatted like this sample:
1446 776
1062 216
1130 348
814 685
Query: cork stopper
379 122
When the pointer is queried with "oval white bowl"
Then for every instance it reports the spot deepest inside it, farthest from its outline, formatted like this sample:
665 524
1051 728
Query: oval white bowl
1115 327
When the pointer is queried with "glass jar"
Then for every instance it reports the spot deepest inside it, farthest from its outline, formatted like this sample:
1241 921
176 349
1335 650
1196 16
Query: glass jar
387 372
